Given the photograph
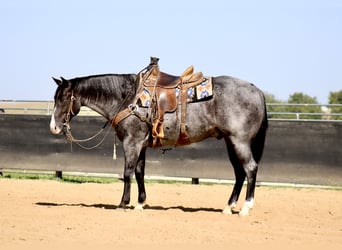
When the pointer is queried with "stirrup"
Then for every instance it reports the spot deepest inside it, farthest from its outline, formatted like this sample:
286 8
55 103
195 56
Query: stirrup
157 130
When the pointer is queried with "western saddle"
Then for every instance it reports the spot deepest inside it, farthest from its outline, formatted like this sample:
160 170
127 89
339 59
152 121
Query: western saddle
162 87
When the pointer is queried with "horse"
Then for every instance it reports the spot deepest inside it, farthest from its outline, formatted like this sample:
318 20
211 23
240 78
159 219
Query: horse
236 113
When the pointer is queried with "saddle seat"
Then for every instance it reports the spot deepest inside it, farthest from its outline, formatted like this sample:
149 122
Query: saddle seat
164 80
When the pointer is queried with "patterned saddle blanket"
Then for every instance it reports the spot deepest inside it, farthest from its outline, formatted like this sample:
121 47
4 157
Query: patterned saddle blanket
201 92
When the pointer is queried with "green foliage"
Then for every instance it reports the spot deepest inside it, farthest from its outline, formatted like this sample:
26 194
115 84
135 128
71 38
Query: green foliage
336 98
300 98
69 179
286 109
270 99
296 105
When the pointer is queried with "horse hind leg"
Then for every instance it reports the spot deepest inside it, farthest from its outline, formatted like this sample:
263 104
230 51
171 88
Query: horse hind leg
244 166
240 176
251 168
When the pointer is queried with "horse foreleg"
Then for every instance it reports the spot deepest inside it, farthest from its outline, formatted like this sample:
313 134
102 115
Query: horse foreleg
130 165
127 178
139 176
134 162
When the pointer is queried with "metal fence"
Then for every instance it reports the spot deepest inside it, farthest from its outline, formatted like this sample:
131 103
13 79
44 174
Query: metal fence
275 111
294 111
35 108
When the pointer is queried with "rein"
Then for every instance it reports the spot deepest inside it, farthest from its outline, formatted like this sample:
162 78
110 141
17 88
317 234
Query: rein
118 117
69 135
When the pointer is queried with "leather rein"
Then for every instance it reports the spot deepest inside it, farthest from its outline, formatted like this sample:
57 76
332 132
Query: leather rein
69 135
117 118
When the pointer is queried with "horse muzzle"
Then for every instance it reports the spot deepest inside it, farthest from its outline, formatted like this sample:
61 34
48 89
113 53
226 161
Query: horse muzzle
54 128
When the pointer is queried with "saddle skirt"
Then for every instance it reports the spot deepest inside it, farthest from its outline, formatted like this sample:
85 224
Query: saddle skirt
201 92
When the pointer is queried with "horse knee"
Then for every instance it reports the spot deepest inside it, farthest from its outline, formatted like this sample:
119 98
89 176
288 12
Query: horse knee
251 169
128 173
139 171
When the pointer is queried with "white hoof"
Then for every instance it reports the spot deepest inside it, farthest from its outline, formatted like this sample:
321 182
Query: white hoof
246 208
139 207
244 212
229 209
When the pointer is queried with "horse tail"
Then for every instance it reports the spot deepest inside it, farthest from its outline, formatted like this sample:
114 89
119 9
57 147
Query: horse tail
258 141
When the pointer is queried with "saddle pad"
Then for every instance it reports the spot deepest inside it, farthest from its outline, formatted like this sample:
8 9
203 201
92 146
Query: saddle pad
195 94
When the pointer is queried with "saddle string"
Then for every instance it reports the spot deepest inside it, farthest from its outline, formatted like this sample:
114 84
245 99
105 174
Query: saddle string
154 98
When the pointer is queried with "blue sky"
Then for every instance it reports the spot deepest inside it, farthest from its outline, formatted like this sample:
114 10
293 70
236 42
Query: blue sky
281 46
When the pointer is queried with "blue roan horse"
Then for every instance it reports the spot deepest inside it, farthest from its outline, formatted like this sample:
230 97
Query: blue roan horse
236 113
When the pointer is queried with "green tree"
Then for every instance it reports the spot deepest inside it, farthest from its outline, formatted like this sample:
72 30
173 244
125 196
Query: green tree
300 98
336 98
270 99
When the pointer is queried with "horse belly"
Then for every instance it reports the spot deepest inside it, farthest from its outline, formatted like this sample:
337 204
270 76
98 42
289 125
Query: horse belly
199 124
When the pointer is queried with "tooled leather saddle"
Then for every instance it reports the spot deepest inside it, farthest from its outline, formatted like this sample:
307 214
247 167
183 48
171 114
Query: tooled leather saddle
162 88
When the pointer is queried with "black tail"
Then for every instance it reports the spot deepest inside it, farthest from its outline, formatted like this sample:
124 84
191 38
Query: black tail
258 142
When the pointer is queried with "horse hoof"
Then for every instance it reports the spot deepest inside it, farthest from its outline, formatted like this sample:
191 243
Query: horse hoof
246 208
227 210
122 209
244 213
139 207
122 206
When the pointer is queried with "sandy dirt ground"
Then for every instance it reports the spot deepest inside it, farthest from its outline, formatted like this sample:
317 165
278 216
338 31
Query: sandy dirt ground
38 214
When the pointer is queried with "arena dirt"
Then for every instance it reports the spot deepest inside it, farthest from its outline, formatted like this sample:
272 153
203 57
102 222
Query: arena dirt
36 214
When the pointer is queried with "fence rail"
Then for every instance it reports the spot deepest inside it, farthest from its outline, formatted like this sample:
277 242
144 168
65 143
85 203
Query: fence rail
327 111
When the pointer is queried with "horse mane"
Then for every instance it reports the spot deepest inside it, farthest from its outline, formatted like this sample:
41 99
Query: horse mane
106 87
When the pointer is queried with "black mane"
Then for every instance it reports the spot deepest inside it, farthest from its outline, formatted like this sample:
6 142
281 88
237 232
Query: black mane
105 87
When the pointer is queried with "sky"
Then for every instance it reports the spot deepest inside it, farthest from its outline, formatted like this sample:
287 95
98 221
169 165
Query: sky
283 47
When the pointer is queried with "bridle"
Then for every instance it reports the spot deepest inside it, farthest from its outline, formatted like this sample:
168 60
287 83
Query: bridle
67 131
70 111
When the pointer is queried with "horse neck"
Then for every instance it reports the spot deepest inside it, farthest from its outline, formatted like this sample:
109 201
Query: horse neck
110 100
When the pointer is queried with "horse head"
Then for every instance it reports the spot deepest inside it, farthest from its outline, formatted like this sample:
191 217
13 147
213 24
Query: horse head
66 106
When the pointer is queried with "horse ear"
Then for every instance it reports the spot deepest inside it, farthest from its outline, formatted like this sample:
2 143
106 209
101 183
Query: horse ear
57 81
66 81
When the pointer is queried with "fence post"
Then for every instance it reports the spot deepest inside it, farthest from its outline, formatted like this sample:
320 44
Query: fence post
194 181
59 174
